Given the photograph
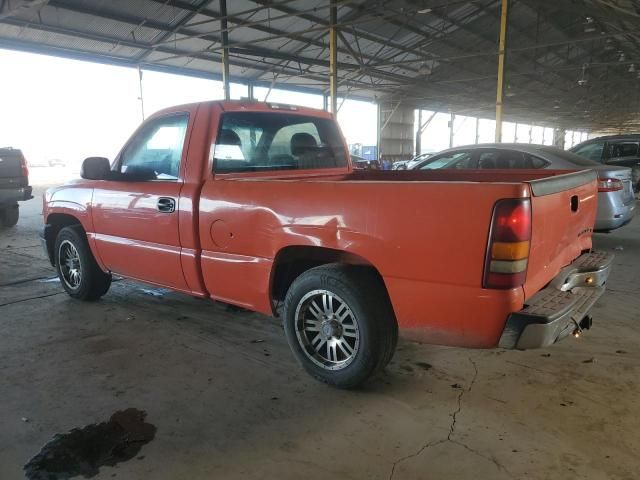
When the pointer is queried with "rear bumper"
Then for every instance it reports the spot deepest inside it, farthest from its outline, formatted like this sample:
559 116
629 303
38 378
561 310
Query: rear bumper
612 212
562 307
10 195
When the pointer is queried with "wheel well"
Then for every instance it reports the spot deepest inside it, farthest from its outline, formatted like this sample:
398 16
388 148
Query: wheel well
293 261
55 223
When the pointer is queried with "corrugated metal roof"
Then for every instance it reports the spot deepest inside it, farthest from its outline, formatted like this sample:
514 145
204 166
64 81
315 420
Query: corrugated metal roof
431 54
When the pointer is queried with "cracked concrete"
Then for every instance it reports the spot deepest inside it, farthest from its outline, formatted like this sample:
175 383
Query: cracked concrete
452 428
228 408
462 392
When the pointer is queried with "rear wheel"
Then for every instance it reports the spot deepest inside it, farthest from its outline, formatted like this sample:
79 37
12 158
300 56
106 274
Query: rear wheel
10 215
78 271
339 324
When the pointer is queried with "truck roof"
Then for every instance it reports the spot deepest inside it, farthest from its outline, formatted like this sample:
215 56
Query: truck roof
251 106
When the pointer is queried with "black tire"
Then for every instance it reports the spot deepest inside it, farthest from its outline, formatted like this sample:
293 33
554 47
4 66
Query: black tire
10 215
92 283
364 294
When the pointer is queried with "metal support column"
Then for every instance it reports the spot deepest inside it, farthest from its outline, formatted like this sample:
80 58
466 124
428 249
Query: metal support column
501 59
333 56
419 133
141 98
477 130
378 129
250 91
453 118
225 50
559 137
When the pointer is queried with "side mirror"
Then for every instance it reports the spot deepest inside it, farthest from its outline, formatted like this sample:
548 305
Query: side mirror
95 168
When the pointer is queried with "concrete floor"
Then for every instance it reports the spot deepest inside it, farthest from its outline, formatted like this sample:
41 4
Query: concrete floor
229 402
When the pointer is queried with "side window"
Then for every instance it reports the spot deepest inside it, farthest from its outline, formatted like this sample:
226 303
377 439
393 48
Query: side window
503 159
622 149
535 162
458 160
592 151
157 148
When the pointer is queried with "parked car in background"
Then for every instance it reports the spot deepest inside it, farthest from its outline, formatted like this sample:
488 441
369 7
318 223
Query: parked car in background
400 165
409 164
57 162
52 162
14 185
364 164
37 163
616 200
620 150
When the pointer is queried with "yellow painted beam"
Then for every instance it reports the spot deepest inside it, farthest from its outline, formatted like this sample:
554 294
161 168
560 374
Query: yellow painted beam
226 85
501 61
333 56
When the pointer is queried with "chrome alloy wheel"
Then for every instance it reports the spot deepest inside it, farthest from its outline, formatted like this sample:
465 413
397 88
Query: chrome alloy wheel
327 330
70 265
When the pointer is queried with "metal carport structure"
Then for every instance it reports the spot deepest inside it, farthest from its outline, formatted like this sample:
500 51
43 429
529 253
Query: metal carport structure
568 64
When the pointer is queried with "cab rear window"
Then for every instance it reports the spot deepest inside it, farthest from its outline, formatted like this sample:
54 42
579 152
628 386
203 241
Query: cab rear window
261 141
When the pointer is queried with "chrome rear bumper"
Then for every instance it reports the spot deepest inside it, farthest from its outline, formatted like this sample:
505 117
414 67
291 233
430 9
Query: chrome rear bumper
562 307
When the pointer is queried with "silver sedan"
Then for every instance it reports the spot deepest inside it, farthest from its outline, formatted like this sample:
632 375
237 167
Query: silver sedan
409 164
616 199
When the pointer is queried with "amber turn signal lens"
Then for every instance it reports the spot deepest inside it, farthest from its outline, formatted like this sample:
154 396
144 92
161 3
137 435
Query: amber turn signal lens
509 250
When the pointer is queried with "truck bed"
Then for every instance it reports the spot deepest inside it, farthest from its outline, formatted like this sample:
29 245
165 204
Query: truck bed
425 232
443 175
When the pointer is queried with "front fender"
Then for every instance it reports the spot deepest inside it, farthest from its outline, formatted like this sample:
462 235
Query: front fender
68 205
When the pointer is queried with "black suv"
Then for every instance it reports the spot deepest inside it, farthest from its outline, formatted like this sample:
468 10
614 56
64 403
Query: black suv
14 185
621 150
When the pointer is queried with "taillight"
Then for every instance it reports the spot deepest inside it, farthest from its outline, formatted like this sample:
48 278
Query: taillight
23 166
609 185
508 250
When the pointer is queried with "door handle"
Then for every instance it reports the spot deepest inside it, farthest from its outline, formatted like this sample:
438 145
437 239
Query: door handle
166 205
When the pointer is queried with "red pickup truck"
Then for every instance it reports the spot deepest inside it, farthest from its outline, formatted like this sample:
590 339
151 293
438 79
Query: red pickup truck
257 205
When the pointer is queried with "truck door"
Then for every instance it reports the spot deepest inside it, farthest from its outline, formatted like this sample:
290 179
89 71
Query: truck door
136 215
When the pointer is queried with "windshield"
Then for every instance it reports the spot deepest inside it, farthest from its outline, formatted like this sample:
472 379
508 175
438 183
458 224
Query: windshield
257 141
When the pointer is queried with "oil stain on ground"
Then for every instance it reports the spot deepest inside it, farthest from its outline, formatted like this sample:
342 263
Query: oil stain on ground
82 451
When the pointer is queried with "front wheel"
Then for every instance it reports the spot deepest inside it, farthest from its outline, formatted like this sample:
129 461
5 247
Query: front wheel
339 324
78 271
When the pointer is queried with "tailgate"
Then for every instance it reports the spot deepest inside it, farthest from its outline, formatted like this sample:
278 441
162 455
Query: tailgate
563 210
10 166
